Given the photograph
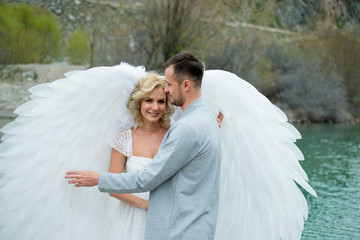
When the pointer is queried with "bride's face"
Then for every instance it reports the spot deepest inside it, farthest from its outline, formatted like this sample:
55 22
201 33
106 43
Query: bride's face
152 108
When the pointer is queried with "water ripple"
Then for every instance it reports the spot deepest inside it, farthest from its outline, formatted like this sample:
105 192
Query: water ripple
332 154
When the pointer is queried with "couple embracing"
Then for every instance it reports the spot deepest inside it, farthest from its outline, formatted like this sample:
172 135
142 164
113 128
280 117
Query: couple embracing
68 123
184 173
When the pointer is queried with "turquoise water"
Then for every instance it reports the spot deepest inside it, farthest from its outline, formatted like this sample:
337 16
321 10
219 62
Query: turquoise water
332 154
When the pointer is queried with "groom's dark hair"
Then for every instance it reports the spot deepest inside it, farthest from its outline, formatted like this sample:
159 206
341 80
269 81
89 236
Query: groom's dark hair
186 66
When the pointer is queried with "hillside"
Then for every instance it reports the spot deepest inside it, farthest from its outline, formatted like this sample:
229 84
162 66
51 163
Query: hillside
303 55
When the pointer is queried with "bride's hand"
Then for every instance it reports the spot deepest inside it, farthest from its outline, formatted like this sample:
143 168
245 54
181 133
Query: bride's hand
219 118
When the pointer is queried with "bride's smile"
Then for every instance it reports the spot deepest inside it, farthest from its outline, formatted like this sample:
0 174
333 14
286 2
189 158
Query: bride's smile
153 107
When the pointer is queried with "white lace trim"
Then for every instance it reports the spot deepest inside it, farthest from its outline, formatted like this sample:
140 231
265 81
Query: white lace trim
122 142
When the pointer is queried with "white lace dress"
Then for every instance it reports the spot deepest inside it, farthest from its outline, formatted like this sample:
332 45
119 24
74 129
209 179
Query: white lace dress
128 222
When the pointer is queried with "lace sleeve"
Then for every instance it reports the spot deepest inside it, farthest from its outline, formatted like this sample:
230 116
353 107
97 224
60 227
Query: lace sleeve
121 142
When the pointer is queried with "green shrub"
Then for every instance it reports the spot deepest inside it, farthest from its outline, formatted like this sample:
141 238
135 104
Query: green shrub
28 34
78 47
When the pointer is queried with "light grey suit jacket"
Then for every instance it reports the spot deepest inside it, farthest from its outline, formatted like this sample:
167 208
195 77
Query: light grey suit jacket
183 179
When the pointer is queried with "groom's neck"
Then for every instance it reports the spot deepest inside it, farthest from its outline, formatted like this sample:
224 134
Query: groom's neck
190 98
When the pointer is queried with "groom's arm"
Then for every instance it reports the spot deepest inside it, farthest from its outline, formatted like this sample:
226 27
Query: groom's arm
177 150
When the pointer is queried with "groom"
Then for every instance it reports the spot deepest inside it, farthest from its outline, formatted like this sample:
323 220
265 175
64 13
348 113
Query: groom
184 176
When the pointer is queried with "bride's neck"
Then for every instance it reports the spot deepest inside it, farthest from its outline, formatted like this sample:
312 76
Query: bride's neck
150 127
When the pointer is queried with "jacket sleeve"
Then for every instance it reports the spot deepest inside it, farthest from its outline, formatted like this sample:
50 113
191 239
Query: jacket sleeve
179 147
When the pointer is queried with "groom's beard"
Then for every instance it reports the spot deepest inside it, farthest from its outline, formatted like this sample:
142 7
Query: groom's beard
179 101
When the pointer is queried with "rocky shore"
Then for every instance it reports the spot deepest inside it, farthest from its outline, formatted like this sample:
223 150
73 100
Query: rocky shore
15 80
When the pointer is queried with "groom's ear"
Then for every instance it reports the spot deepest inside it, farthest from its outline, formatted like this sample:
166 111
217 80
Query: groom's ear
187 84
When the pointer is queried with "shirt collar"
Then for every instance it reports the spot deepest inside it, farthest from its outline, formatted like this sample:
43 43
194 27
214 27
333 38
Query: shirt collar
192 106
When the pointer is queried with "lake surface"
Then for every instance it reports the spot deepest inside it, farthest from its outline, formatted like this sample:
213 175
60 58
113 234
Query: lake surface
332 162
332 154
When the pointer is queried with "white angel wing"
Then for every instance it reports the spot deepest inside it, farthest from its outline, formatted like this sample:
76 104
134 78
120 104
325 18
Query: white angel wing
259 198
65 126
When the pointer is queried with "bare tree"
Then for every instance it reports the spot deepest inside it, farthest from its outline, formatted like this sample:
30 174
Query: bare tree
170 26
314 92
342 49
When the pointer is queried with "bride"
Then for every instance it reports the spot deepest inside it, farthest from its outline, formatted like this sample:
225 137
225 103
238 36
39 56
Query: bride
68 123
135 148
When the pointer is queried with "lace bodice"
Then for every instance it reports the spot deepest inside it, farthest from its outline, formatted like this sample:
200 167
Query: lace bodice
122 142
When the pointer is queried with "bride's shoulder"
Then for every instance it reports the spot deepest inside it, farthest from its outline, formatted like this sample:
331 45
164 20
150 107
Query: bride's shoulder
122 142
123 136
123 133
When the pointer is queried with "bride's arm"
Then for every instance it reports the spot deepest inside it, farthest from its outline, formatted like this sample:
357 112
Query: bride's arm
117 164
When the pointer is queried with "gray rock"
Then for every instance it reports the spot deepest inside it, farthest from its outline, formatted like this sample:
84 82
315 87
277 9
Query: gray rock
71 17
29 75
58 11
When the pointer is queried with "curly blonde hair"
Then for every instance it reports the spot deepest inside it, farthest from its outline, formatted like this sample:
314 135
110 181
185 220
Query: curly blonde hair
142 90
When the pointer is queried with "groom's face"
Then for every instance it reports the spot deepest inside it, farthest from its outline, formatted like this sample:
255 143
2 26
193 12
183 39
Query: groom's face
173 89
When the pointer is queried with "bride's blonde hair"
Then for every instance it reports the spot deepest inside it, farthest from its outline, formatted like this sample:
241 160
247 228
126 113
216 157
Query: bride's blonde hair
143 89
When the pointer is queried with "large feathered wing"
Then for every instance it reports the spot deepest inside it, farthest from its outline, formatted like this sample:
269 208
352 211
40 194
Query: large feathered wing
259 198
66 126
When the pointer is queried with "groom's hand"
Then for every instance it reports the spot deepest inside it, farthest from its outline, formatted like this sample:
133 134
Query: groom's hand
219 118
83 178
